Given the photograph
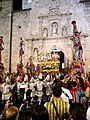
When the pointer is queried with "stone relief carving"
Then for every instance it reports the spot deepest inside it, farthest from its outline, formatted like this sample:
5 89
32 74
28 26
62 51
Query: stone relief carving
54 7
45 32
54 4
53 18
64 31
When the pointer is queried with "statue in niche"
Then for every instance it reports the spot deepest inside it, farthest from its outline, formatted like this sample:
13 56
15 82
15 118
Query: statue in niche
64 31
35 54
54 28
45 32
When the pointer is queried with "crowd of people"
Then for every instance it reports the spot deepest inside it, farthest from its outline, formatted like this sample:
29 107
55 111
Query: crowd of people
45 96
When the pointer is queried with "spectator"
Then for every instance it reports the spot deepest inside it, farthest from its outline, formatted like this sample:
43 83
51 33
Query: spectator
25 114
61 106
77 111
66 95
75 92
87 93
40 113
11 113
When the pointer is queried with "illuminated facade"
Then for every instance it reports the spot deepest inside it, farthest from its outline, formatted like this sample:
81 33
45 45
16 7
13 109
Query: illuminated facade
44 26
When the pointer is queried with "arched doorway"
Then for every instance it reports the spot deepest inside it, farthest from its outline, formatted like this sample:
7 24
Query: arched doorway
61 58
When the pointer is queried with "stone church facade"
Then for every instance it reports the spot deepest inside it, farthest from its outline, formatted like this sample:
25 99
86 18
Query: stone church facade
44 26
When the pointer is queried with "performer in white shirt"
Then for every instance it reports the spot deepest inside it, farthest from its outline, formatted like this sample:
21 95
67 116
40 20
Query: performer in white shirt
6 89
32 88
25 85
40 84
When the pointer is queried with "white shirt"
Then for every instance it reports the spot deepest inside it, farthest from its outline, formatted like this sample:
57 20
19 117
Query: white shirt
88 114
64 97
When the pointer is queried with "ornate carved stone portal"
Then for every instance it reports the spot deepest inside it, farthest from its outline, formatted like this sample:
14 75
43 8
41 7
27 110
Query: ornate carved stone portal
54 30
